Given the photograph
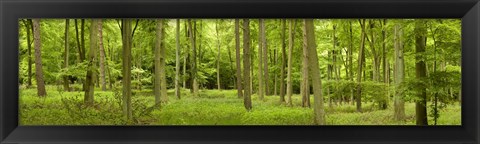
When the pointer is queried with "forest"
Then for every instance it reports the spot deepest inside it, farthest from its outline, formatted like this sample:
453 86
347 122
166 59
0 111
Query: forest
239 71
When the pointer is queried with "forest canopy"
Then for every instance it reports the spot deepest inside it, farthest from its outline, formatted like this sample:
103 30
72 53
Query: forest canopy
240 71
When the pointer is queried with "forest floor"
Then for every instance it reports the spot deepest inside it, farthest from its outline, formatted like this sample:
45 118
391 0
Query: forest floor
211 107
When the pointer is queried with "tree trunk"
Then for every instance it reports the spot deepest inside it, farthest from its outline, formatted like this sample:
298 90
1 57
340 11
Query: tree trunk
38 59
360 66
260 60
305 79
194 71
350 60
126 68
319 118
420 70
177 60
399 104
91 72
218 55
289 68
66 86
246 64
29 28
103 82
160 84
237 56
265 57
282 67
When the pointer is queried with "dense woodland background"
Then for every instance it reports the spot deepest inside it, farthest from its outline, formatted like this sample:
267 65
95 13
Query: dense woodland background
240 71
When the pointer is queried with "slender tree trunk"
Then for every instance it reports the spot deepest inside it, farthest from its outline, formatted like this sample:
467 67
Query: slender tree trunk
194 71
91 73
177 60
29 28
160 84
282 67
218 56
260 60
399 104
420 70
246 64
319 111
38 59
289 69
350 60
126 68
103 82
360 66
265 57
305 78
66 86
82 38
237 56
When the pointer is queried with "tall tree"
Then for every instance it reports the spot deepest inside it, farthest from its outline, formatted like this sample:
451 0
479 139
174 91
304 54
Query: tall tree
420 70
126 67
265 57
260 60
177 60
66 83
360 66
289 67
319 111
160 83
38 59
246 64
305 79
399 104
91 72
194 71
237 55
218 55
29 29
103 82
283 65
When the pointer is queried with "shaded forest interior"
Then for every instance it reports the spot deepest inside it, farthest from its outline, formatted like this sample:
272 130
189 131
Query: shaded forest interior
240 71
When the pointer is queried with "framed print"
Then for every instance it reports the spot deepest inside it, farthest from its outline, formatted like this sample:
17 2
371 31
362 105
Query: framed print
228 71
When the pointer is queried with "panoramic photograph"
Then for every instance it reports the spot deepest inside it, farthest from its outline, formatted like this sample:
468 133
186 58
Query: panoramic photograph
135 72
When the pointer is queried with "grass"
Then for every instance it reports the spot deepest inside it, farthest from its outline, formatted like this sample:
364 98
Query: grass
211 107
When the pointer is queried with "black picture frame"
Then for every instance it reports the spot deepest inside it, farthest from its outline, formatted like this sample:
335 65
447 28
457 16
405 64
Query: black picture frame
12 10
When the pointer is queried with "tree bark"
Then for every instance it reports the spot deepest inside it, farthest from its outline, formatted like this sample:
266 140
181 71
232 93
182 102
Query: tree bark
265 57
103 82
360 66
246 64
91 72
177 60
38 59
420 70
237 56
260 60
305 78
319 111
126 68
194 71
160 84
289 68
282 67
399 104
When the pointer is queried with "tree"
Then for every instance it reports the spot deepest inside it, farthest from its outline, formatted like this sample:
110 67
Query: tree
193 45
282 67
237 55
260 60
38 59
103 82
399 104
265 56
319 118
126 67
66 86
305 79
218 55
420 70
360 66
177 60
91 72
29 29
160 81
289 67
246 64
